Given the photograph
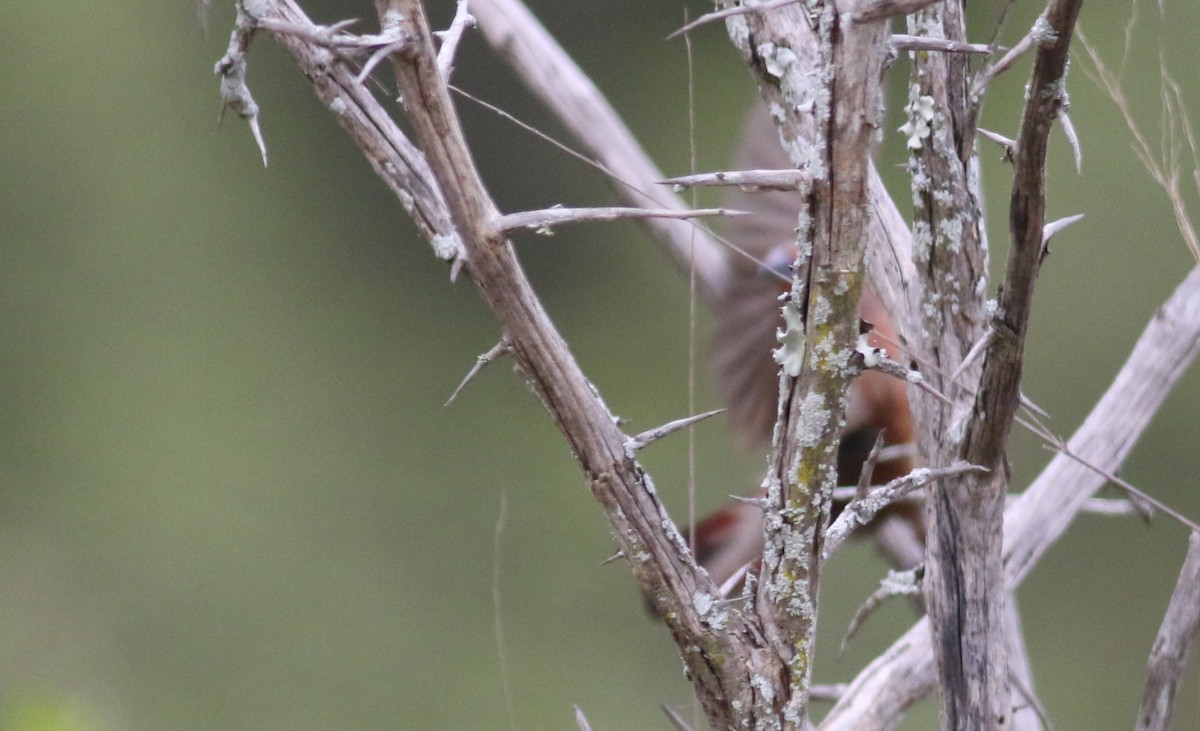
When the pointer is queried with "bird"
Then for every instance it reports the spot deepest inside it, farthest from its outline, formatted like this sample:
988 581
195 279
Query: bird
747 311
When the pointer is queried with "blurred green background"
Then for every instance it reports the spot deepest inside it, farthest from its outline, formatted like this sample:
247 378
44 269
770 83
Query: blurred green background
230 497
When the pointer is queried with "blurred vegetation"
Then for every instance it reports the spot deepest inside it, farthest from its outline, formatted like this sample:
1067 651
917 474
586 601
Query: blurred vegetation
230 497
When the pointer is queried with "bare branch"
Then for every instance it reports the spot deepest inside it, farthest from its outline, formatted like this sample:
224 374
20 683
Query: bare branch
451 38
747 180
979 348
863 510
903 42
1007 61
549 217
231 68
965 592
574 99
896 583
1031 715
659 556
866 474
1167 658
908 375
827 128
393 157
1035 520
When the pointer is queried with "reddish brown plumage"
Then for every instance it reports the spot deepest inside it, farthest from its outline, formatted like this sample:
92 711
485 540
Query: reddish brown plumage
748 315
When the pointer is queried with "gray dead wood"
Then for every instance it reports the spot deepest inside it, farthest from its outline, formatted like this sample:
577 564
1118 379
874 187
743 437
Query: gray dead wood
879 695
570 94
1169 654
821 72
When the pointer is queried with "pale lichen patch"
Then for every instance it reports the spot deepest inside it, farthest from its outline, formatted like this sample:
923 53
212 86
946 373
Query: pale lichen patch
790 353
813 418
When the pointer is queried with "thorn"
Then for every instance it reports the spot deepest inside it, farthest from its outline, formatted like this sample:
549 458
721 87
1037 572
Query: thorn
896 583
1031 698
1072 140
497 350
581 720
258 137
973 354
733 580
456 267
383 52
1032 407
1055 226
895 370
615 557
340 26
755 501
1004 142
868 468
633 444
676 720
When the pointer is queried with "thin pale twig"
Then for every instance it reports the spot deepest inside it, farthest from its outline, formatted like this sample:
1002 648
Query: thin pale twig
548 217
1109 507
896 370
747 180
501 522
868 468
863 509
903 42
896 583
1004 63
451 38
729 13
1030 696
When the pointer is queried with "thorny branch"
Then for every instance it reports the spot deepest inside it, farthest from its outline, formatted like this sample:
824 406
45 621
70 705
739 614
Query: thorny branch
753 670
904 673
819 72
